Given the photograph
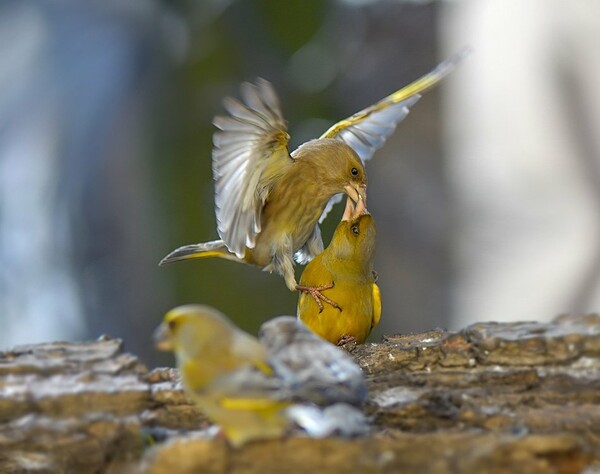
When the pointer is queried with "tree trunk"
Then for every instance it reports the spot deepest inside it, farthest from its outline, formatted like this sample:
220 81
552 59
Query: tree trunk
514 397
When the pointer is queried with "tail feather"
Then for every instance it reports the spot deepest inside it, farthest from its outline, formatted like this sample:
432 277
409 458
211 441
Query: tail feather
215 248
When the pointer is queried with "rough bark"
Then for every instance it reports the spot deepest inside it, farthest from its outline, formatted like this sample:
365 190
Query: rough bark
516 397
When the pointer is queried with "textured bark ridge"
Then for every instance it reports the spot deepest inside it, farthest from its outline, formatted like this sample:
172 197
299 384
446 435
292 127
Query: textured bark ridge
518 397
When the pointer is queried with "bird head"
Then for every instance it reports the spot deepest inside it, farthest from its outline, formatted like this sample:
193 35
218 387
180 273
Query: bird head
354 237
191 330
204 335
338 169
355 177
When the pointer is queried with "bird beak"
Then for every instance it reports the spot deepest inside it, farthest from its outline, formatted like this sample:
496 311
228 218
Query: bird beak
349 210
162 338
356 192
360 208
352 211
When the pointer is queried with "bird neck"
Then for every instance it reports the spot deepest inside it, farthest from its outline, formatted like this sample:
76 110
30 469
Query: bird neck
316 183
197 374
344 258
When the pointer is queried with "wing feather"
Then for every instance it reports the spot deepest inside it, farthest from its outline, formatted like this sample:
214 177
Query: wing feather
312 247
366 131
369 128
250 152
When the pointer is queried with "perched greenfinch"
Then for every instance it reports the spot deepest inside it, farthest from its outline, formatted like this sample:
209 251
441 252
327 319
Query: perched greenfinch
345 267
269 202
225 371
255 390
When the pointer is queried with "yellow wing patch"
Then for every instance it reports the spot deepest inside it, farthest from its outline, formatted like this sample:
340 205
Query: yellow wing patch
376 305
422 84
264 367
251 404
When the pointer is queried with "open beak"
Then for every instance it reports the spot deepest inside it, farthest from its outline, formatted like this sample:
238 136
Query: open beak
352 210
162 338
349 210
356 193
360 208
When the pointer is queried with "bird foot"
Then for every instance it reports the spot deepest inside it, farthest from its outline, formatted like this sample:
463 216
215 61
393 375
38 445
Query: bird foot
346 339
315 292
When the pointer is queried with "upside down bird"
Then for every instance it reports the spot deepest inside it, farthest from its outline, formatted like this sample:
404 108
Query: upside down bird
269 202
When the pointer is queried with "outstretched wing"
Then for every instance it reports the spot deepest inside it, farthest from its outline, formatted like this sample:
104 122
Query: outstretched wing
367 130
250 152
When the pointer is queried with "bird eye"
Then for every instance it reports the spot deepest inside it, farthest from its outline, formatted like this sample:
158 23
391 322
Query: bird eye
354 172
355 230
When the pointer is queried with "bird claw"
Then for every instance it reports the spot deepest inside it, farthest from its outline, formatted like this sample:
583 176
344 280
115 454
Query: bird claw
315 292
346 339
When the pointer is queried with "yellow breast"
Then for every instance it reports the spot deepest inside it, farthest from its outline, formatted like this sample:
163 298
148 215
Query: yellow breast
360 312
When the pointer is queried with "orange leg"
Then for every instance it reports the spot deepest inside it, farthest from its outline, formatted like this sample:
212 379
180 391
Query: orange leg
315 292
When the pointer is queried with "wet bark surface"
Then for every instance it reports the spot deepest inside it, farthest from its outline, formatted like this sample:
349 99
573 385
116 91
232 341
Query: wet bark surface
514 397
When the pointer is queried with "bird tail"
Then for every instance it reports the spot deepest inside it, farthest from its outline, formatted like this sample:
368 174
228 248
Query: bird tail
215 248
